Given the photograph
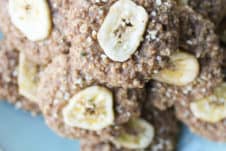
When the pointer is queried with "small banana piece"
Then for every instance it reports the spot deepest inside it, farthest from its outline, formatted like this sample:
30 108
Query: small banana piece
213 108
183 68
122 30
31 17
138 135
27 78
91 109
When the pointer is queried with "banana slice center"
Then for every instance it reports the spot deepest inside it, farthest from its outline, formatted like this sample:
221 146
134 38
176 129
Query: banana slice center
124 27
138 134
183 68
122 30
213 108
31 17
91 108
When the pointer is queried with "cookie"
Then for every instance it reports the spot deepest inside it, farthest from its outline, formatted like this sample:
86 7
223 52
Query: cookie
72 103
165 137
205 116
9 60
201 105
212 130
214 10
43 50
199 39
156 37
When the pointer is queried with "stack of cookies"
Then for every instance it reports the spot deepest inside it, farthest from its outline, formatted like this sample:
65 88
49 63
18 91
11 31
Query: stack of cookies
117 74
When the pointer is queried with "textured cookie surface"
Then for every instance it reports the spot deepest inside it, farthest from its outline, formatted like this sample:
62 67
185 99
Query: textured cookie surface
203 42
198 38
159 41
60 82
9 57
214 10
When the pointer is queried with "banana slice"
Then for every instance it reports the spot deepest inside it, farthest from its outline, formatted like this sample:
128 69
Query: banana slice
27 78
122 31
183 69
213 108
91 109
31 17
138 135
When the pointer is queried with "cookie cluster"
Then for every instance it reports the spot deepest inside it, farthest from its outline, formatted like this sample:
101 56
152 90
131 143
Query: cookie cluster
117 74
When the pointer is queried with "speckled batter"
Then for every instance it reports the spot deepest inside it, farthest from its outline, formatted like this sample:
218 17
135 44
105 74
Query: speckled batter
60 82
160 40
197 37
215 10
216 131
9 56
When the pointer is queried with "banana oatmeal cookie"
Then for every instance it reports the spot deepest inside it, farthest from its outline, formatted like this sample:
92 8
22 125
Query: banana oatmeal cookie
206 115
122 42
204 112
76 107
199 39
201 104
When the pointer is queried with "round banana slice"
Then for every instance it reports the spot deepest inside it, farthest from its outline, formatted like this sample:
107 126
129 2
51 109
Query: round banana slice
91 109
27 78
122 31
183 68
213 108
138 135
31 17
